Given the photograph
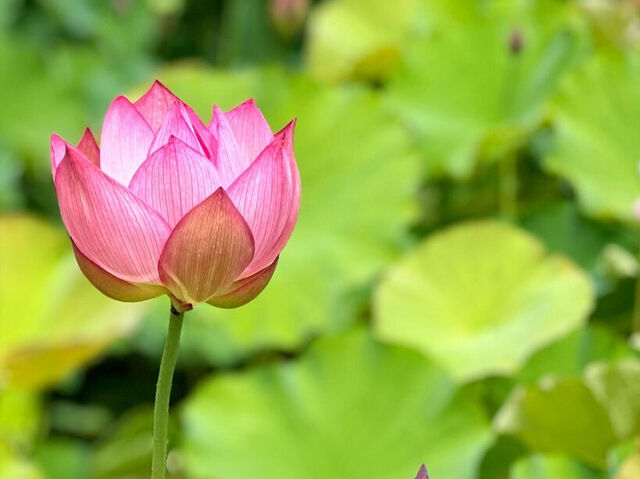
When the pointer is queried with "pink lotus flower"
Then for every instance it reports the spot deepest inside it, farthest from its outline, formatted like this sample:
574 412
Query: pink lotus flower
169 205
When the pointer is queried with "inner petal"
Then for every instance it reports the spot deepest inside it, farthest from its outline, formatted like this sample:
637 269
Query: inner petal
174 179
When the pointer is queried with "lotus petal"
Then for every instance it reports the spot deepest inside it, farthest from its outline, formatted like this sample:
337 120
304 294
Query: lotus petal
207 250
108 223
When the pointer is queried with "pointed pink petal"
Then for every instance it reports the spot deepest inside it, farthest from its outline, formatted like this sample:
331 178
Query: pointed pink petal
108 223
244 290
58 150
113 286
177 124
268 196
227 156
85 148
422 473
155 104
250 129
89 147
175 179
207 250
125 141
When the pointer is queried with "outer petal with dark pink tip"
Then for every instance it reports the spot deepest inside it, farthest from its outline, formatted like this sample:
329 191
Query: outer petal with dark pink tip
175 179
113 286
250 129
244 290
125 141
207 250
87 147
111 226
268 196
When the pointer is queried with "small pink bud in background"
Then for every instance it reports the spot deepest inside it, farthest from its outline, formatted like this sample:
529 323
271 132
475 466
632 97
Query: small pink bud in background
422 473
516 42
167 204
288 16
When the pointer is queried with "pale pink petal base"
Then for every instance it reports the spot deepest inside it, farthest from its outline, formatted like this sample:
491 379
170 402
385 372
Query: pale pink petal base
207 250
112 286
244 290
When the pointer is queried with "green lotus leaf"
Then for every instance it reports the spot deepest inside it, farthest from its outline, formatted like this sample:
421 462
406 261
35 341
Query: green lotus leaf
464 91
597 144
552 467
357 39
480 297
559 416
569 356
617 386
357 185
350 407
53 320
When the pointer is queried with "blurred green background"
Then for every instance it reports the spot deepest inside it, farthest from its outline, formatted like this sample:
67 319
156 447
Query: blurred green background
461 288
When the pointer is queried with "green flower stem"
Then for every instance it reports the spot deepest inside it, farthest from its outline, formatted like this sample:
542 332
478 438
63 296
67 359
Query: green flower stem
163 395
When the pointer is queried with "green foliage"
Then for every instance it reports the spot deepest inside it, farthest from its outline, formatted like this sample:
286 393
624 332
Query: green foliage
53 320
584 416
357 39
480 297
15 467
466 93
349 407
597 143
559 416
545 467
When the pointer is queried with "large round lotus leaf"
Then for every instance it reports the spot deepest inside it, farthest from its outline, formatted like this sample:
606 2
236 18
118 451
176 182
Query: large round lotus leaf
359 39
350 408
480 297
552 467
559 416
597 142
462 90
52 318
357 197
